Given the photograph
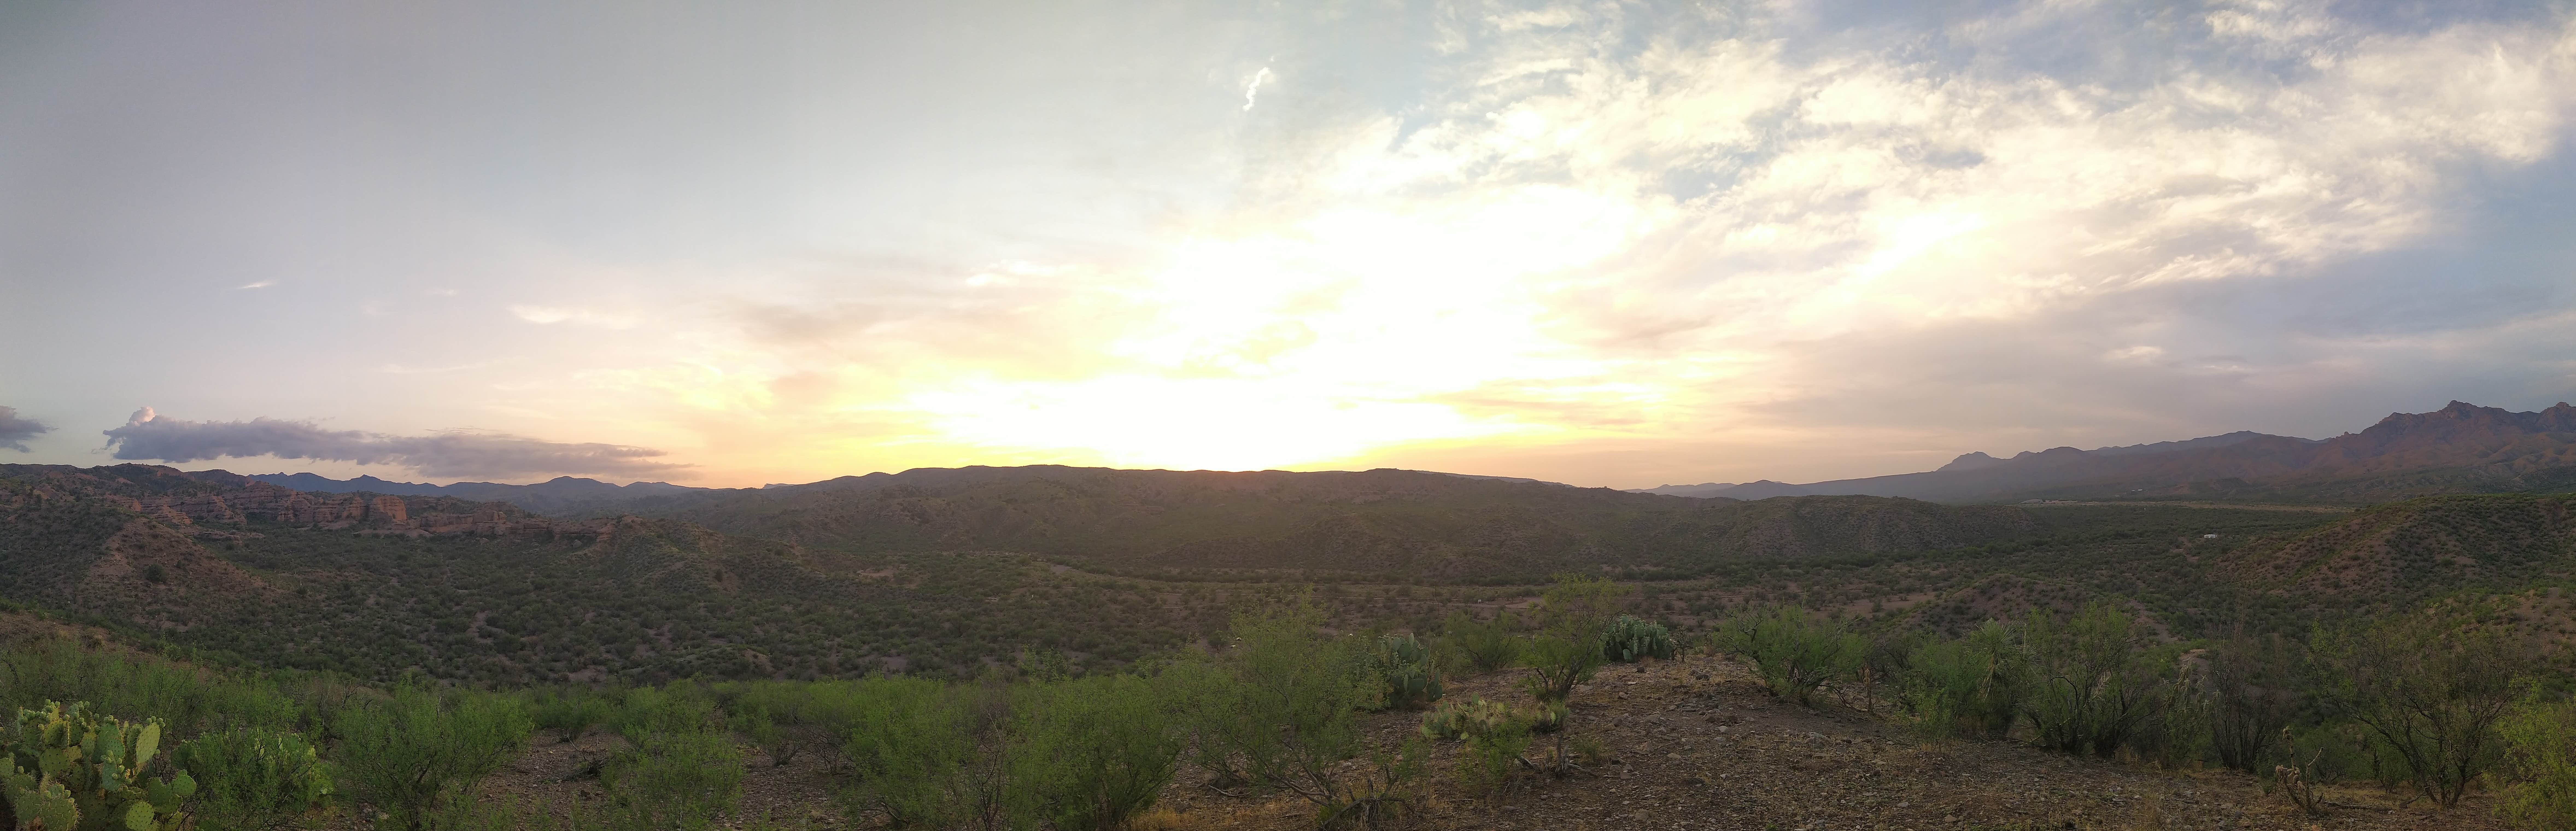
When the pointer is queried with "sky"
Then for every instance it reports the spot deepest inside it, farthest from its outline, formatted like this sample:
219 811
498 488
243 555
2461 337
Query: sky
1608 244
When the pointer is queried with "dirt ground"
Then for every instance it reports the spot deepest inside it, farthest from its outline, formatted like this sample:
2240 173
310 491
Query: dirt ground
1695 744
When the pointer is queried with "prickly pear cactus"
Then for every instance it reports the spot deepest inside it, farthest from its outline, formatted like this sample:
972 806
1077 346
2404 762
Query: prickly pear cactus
72 770
1631 640
1405 672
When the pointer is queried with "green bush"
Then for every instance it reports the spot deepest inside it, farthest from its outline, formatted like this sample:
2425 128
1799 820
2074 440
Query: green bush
409 752
74 769
2540 751
915 745
1279 709
1630 640
680 779
135 687
1495 734
1091 753
253 778
681 707
784 718
1406 677
569 712
1971 686
1485 647
1795 653
1493 753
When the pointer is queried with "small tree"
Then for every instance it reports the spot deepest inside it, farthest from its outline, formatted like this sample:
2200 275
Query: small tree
2099 681
407 753
2431 690
2254 693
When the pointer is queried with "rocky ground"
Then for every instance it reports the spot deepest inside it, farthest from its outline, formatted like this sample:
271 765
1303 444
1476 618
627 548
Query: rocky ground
1691 745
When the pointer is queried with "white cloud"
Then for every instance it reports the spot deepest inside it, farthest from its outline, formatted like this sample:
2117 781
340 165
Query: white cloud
1254 88
547 315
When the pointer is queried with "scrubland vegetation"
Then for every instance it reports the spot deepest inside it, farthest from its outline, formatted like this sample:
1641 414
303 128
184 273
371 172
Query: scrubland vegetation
2413 649
2427 703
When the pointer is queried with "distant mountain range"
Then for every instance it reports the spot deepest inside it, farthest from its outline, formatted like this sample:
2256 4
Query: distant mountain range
2459 448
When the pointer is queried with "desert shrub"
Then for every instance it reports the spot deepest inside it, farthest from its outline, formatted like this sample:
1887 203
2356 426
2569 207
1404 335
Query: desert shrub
1795 653
2175 729
1279 709
1495 734
2254 692
136 687
783 718
681 707
1629 640
915 744
673 780
253 778
569 712
406 753
2099 680
1494 749
2326 754
2429 691
1486 647
1575 616
1973 686
1405 675
1068 753
1092 753
2540 751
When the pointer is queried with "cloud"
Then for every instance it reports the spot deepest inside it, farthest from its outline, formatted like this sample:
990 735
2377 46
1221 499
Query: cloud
15 431
457 453
1254 88
258 285
585 317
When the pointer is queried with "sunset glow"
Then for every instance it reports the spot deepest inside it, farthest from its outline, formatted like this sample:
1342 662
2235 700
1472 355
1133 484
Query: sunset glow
1607 245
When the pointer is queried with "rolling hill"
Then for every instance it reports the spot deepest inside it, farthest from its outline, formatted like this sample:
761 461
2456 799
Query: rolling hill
1412 524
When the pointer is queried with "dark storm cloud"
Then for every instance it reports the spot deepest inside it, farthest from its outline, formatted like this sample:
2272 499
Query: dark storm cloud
456 453
15 431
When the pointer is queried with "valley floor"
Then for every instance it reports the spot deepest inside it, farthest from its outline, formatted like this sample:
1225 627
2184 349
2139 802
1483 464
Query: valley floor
1692 744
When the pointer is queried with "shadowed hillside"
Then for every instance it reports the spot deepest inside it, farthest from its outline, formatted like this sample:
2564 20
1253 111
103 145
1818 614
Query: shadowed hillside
2405 551
1386 522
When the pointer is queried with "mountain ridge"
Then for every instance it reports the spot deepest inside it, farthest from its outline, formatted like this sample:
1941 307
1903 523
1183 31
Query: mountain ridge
2478 449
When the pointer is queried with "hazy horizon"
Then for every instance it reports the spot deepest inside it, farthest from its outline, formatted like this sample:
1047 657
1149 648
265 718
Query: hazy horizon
1608 245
